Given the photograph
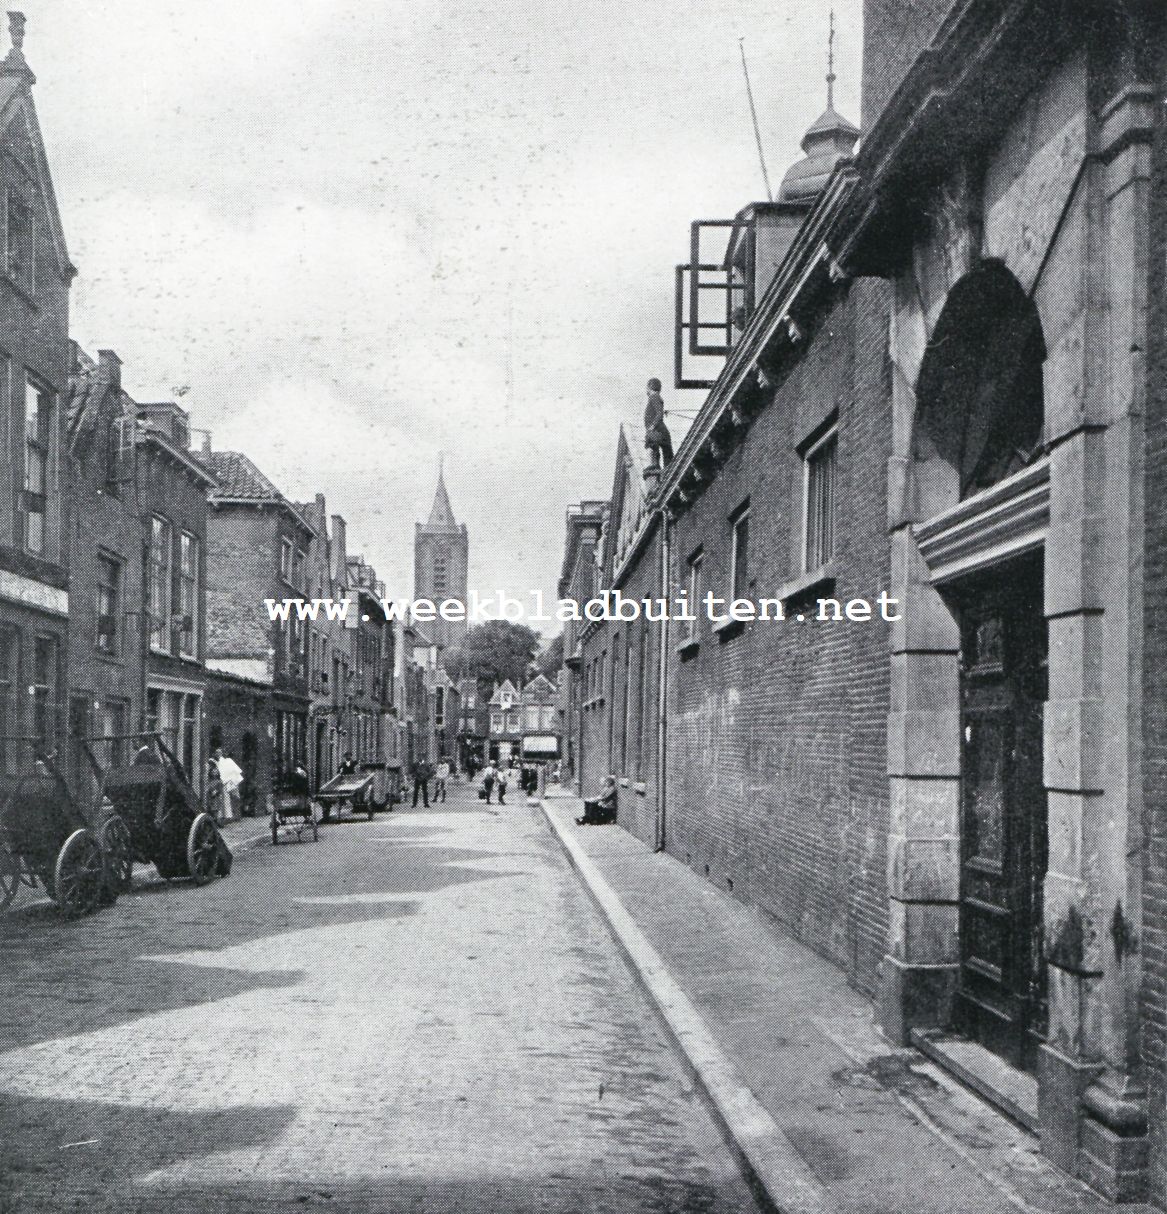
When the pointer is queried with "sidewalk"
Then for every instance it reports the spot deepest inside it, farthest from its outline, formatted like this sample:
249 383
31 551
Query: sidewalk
825 1113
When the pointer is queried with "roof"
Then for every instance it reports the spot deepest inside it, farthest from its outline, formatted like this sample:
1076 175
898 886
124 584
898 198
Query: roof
830 139
240 481
441 515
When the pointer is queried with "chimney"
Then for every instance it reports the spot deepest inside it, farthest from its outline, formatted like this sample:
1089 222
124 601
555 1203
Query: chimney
111 367
206 442
14 63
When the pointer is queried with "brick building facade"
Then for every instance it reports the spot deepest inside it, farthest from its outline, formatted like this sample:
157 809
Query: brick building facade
257 549
34 386
939 424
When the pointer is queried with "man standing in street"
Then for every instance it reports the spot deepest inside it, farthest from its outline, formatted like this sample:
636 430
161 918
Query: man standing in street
443 774
421 779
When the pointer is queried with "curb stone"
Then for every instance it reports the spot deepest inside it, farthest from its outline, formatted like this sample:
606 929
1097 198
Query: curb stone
780 1175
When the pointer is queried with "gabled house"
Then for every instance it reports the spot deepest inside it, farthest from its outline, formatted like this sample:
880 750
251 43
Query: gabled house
35 276
619 658
107 622
257 549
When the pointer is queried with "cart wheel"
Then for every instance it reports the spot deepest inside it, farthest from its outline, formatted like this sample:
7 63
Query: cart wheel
9 877
118 849
202 849
79 878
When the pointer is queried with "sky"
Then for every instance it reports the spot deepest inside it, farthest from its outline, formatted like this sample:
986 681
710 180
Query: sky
355 237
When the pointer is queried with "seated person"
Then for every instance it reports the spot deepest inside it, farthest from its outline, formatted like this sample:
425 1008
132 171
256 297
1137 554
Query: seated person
601 810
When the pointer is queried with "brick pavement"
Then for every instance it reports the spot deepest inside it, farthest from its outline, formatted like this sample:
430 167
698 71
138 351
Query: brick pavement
420 1013
881 1130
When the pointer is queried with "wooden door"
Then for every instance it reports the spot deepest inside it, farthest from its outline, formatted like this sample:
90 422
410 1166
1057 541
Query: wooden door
1002 999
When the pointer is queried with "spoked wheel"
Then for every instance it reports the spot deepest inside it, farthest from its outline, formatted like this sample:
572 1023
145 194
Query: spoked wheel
118 849
202 849
9 877
79 876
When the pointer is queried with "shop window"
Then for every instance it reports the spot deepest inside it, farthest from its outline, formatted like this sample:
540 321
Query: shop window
44 691
9 713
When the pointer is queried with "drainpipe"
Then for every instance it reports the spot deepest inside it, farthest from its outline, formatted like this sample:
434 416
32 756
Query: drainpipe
662 682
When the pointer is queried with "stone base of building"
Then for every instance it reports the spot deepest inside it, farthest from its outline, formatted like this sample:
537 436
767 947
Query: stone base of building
913 997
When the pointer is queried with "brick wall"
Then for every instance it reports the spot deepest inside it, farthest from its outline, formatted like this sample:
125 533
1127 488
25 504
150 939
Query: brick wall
636 648
777 734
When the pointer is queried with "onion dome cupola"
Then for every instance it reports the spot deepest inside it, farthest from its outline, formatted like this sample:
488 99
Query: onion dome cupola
830 139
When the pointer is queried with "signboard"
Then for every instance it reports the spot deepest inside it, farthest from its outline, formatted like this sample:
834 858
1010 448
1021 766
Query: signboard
541 744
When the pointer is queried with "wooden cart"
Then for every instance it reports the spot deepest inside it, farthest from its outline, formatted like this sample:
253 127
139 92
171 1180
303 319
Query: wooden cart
293 811
167 824
81 856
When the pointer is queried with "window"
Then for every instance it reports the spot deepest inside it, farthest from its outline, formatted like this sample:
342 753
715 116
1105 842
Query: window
9 717
188 593
532 716
819 502
547 717
441 574
158 584
495 722
119 458
286 560
190 734
642 699
20 245
113 722
693 592
44 691
298 579
109 605
739 566
38 436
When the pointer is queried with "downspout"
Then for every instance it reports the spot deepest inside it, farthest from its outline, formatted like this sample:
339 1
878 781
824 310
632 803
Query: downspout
662 683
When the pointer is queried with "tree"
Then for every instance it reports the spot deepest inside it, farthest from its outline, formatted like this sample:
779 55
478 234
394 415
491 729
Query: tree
551 659
494 651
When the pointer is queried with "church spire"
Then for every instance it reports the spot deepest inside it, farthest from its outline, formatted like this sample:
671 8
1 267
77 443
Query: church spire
440 514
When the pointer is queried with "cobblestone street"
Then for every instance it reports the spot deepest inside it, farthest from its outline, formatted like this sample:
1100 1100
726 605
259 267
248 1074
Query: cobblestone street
424 1012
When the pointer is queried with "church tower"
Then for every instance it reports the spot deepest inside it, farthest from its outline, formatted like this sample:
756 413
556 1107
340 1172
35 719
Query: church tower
440 550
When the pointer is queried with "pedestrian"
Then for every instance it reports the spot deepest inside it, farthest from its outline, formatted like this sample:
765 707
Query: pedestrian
421 782
488 777
601 811
443 774
231 775
348 766
214 793
502 785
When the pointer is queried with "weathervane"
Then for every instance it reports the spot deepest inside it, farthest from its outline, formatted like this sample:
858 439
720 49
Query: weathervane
831 64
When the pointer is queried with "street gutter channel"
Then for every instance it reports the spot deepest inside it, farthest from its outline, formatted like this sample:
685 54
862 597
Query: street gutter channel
778 1176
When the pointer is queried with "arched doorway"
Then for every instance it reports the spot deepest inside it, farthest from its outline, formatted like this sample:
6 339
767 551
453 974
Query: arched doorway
980 428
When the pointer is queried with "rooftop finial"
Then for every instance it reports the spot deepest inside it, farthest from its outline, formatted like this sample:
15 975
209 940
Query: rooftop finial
831 64
16 30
